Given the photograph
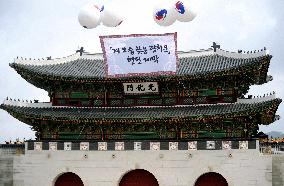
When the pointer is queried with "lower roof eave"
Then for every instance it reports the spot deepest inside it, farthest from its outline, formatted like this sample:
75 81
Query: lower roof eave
172 114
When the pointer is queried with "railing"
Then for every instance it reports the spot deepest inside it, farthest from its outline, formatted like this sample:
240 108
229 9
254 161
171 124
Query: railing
12 149
17 149
95 145
271 148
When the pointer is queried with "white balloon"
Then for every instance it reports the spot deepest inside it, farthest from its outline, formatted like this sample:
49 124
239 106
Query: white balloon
164 15
89 16
110 15
184 11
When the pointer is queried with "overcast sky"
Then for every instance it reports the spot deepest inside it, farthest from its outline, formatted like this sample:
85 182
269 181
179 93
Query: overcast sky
37 29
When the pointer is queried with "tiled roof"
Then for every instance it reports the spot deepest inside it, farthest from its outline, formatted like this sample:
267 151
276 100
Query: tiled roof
92 66
155 113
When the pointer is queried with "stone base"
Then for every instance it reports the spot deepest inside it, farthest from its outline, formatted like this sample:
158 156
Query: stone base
239 167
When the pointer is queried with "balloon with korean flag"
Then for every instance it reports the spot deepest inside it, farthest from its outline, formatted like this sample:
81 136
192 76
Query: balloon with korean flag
184 11
111 15
92 15
164 14
89 16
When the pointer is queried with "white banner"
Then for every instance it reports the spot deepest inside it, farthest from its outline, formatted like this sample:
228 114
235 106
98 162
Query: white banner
140 88
136 55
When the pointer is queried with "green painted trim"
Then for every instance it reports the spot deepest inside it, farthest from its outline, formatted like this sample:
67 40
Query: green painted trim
78 95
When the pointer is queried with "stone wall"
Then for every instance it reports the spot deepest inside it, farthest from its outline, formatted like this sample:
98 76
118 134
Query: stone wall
278 170
171 168
7 155
6 167
245 167
6 170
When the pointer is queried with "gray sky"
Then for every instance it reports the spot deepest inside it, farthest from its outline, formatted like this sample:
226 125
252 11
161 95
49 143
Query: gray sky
37 29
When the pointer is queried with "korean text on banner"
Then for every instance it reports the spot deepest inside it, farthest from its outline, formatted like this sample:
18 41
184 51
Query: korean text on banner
140 54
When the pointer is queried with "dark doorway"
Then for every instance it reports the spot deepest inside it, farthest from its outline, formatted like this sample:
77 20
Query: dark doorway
138 177
211 179
69 179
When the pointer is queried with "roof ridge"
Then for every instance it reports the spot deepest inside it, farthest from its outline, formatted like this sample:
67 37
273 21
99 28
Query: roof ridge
243 54
196 53
18 103
265 97
39 62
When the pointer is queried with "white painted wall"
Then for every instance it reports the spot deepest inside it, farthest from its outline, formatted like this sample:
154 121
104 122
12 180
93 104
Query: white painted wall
278 170
171 168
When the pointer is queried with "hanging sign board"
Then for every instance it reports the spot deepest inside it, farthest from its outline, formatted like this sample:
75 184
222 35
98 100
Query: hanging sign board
140 54
140 88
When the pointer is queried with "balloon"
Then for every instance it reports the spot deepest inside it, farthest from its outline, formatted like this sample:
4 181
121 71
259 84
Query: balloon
110 16
89 16
184 12
164 15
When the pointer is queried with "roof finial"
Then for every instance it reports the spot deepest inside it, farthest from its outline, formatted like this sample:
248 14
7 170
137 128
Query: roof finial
81 51
49 58
215 46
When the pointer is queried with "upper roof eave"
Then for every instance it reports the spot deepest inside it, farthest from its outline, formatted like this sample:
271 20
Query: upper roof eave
189 65
181 54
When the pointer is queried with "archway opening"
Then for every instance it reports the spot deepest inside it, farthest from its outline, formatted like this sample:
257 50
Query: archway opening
138 177
69 179
211 179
